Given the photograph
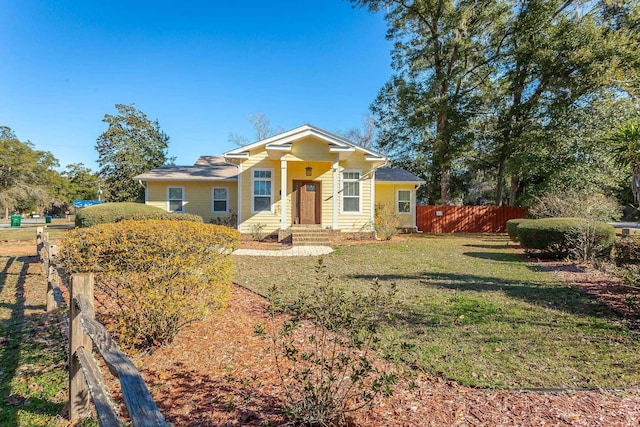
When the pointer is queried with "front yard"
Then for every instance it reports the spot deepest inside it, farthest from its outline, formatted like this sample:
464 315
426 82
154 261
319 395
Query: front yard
474 310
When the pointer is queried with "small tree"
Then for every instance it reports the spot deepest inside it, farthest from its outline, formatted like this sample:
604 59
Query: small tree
386 221
323 354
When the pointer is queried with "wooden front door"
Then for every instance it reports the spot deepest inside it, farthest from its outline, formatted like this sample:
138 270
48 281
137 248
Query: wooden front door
306 202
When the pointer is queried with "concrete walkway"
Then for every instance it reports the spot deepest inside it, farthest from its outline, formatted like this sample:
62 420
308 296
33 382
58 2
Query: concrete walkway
294 251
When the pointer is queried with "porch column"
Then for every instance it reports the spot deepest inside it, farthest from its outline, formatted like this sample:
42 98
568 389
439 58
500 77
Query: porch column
336 179
240 196
373 197
283 193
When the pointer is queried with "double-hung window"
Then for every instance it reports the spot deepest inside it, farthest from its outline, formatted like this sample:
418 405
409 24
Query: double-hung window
404 201
220 200
175 199
351 191
262 190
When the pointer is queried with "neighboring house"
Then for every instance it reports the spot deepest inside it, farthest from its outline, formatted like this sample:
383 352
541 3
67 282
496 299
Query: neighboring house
305 176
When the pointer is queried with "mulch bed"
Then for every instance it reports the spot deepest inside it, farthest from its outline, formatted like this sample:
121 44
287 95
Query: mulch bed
219 373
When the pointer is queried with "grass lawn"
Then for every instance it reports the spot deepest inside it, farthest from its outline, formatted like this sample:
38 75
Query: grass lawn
32 357
475 311
28 231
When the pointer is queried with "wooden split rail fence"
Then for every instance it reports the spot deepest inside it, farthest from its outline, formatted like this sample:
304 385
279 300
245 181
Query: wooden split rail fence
84 332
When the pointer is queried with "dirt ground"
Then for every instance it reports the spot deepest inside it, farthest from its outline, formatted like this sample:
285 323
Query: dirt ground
220 373
15 248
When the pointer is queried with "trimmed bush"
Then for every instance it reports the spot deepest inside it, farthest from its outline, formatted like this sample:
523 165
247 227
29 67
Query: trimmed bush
157 276
114 212
142 216
627 250
563 237
512 228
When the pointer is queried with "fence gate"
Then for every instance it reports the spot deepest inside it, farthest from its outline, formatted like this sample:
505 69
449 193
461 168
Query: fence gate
466 219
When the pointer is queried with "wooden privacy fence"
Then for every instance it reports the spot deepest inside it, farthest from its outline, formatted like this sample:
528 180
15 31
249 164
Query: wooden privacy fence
83 331
466 219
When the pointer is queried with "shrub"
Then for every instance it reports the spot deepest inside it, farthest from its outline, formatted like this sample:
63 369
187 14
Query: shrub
627 250
229 220
158 275
512 228
572 203
562 237
114 212
257 232
386 221
326 343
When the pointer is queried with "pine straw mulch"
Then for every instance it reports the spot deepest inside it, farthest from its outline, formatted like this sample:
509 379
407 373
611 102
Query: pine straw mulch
220 373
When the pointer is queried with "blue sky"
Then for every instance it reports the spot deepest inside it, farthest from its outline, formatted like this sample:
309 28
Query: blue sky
200 68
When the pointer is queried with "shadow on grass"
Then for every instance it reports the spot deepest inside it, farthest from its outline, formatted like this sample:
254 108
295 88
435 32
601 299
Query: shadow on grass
501 245
550 296
15 334
496 256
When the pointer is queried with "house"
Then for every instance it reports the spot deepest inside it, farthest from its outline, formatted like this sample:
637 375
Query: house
305 177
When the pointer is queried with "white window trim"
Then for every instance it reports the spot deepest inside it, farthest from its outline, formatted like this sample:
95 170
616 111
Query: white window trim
183 203
398 201
213 200
342 181
253 179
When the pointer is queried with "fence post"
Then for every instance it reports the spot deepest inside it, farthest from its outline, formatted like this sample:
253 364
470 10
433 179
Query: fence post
39 241
52 275
79 399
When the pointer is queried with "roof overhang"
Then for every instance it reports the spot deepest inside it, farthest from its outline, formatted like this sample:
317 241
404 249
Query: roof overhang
282 143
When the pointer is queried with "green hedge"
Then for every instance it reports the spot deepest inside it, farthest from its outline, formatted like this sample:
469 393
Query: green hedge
116 212
556 237
627 250
512 227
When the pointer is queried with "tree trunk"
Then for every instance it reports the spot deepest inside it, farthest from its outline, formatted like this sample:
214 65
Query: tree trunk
515 187
445 185
500 181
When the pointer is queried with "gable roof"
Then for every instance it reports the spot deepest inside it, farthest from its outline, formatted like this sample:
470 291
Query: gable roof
206 168
283 142
397 175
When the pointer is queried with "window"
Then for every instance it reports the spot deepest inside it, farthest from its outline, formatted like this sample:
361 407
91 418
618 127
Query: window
262 190
351 191
404 201
220 199
175 199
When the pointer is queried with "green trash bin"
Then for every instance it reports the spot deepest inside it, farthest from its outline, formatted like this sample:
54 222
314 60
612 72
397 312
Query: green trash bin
16 220
47 219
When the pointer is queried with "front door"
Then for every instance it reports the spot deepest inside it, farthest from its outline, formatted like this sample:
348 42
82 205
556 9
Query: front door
306 202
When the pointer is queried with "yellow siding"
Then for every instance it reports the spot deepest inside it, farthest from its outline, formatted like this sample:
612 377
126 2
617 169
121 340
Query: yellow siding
271 220
310 149
314 153
387 193
197 196
356 221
